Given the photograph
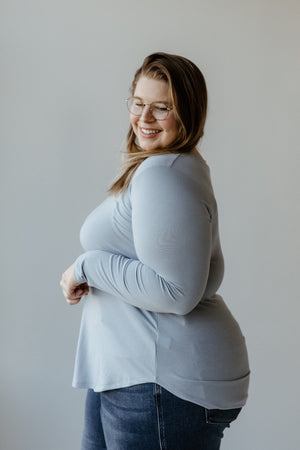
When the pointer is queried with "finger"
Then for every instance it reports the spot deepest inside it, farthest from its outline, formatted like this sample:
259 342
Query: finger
81 290
72 301
65 293
73 297
71 294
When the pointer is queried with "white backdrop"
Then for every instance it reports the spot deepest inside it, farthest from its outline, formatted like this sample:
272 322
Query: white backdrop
66 66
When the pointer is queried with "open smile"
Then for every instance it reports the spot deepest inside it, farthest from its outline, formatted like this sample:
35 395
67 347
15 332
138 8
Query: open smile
149 132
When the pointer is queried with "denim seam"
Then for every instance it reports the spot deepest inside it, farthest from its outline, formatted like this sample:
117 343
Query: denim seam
160 423
156 345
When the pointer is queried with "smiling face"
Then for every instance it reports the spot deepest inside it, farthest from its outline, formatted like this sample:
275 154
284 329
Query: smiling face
150 132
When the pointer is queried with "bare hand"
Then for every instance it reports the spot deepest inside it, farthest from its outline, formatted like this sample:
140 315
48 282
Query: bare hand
72 290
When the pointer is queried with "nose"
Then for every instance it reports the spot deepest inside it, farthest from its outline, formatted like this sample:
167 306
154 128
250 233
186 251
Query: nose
146 115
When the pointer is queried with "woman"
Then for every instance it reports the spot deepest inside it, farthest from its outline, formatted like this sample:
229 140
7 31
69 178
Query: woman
163 359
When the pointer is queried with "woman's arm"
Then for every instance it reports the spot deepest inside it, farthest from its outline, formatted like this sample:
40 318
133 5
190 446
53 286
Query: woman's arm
172 238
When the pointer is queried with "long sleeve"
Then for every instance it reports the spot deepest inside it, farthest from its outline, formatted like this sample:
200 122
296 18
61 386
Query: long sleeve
172 235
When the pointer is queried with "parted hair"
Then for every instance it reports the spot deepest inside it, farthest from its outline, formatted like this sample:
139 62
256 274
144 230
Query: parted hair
189 100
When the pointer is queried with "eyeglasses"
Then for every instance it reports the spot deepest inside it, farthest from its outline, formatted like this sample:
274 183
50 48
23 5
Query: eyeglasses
159 110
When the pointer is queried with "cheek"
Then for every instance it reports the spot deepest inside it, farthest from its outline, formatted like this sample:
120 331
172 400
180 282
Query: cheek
134 121
172 127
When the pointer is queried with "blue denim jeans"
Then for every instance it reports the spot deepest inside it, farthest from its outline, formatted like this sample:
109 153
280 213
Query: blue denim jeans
148 417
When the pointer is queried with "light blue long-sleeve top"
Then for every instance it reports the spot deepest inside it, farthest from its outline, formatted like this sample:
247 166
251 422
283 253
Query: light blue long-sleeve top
154 263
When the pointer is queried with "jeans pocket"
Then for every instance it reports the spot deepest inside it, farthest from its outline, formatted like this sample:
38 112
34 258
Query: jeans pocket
221 416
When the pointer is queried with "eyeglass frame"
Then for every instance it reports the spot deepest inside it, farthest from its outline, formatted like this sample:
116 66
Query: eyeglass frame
169 108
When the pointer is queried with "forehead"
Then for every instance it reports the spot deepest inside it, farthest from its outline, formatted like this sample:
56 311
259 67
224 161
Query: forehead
151 90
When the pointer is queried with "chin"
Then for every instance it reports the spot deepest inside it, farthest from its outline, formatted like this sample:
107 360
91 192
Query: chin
148 146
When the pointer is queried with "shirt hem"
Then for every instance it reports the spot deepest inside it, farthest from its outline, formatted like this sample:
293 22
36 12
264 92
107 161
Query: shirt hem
231 399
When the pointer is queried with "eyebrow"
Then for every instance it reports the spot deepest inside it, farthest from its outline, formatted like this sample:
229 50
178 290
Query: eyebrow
155 101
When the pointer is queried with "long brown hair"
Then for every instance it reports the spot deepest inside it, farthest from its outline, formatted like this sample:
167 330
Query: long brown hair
189 100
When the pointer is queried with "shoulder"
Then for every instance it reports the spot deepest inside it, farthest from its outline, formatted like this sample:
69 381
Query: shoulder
188 163
188 167
155 161
179 177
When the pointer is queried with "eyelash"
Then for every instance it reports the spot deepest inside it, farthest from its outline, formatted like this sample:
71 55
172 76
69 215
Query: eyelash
159 108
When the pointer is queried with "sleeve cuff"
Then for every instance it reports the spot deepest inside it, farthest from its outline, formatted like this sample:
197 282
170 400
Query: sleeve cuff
78 271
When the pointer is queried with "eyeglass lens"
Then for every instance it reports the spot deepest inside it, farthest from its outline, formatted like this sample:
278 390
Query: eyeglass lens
159 110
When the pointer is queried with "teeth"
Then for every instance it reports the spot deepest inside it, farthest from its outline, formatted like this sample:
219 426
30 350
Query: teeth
149 131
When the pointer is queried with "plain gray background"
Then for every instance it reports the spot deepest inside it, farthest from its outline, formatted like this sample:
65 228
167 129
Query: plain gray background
66 67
